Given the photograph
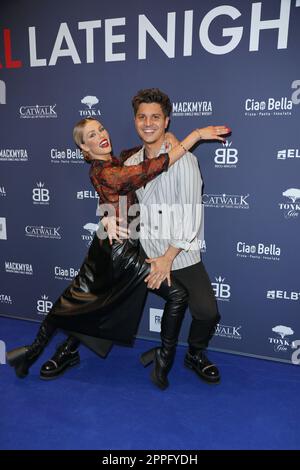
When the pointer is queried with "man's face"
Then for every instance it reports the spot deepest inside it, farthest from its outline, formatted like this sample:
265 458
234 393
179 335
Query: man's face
151 123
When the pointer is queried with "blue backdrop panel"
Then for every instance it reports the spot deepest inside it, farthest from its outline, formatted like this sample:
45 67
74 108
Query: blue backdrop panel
235 64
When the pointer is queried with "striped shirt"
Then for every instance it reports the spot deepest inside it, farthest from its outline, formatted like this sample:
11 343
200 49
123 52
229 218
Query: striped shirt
171 210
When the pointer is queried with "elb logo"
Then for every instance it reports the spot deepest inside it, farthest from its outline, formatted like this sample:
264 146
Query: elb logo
44 305
226 157
221 290
40 195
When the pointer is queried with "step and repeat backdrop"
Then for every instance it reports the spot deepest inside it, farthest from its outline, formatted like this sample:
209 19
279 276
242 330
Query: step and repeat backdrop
236 63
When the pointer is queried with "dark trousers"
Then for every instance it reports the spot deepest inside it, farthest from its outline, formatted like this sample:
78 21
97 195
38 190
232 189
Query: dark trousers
202 304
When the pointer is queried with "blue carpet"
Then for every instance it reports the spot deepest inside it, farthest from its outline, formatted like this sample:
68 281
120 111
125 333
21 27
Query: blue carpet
111 404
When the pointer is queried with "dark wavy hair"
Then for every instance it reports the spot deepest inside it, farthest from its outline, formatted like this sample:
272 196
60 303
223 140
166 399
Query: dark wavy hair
152 95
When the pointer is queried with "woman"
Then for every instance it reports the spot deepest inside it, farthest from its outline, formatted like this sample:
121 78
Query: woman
95 304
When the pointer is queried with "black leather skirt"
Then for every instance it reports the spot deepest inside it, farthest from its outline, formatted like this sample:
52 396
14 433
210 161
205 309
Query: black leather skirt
106 298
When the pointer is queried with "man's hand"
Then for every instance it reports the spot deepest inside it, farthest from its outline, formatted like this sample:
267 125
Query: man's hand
114 230
160 270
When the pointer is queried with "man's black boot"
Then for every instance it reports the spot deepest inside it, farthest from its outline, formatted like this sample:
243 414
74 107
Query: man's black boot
65 356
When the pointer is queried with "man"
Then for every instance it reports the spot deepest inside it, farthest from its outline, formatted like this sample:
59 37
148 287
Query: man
180 189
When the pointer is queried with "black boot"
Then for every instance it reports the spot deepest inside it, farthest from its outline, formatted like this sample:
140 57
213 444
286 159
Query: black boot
65 356
199 363
163 357
22 358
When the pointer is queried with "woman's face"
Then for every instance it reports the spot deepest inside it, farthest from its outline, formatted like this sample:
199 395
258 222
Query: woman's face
96 140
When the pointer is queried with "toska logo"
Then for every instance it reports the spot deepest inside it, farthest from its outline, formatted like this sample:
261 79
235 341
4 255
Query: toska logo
225 331
269 107
283 295
155 316
291 210
12 155
228 201
38 111
192 108
226 157
66 156
2 92
259 251
221 290
90 102
282 343
288 154
40 195
43 305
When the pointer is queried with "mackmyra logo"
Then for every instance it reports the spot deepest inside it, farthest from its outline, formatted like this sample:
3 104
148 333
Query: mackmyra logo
192 108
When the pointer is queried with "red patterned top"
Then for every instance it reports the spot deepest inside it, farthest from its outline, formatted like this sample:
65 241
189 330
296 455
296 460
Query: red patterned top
112 179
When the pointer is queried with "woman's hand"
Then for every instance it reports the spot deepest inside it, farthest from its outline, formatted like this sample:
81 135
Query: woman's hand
115 230
213 133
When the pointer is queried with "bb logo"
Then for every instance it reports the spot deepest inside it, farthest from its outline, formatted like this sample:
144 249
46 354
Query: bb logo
40 195
226 156
44 305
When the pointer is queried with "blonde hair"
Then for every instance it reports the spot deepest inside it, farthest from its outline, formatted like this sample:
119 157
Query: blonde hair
78 136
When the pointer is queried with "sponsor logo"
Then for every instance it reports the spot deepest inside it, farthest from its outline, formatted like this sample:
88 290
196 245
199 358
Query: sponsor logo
259 251
283 343
269 107
86 194
2 191
91 228
43 305
42 232
65 274
283 295
221 289
291 209
155 315
18 268
90 111
13 155
2 352
5 299
66 156
38 111
40 195
192 108
226 156
2 92
228 201
3 232
288 154
226 331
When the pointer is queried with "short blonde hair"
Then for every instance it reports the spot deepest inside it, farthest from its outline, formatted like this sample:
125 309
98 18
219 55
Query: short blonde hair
78 135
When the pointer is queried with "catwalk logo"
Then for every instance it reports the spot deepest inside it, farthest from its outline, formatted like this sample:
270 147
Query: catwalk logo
226 157
65 274
3 232
38 111
269 107
40 195
2 352
283 295
66 156
228 201
259 251
43 305
221 289
192 108
2 191
5 299
13 155
155 316
87 194
18 268
226 331
281 344
288 154
2 92
91 111
291 209
42 232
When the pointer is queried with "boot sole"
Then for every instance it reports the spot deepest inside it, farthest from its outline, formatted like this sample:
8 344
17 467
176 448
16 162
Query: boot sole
61 371
213 381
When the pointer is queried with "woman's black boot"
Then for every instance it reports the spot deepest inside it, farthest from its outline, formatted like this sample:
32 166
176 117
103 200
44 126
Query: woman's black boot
22 358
